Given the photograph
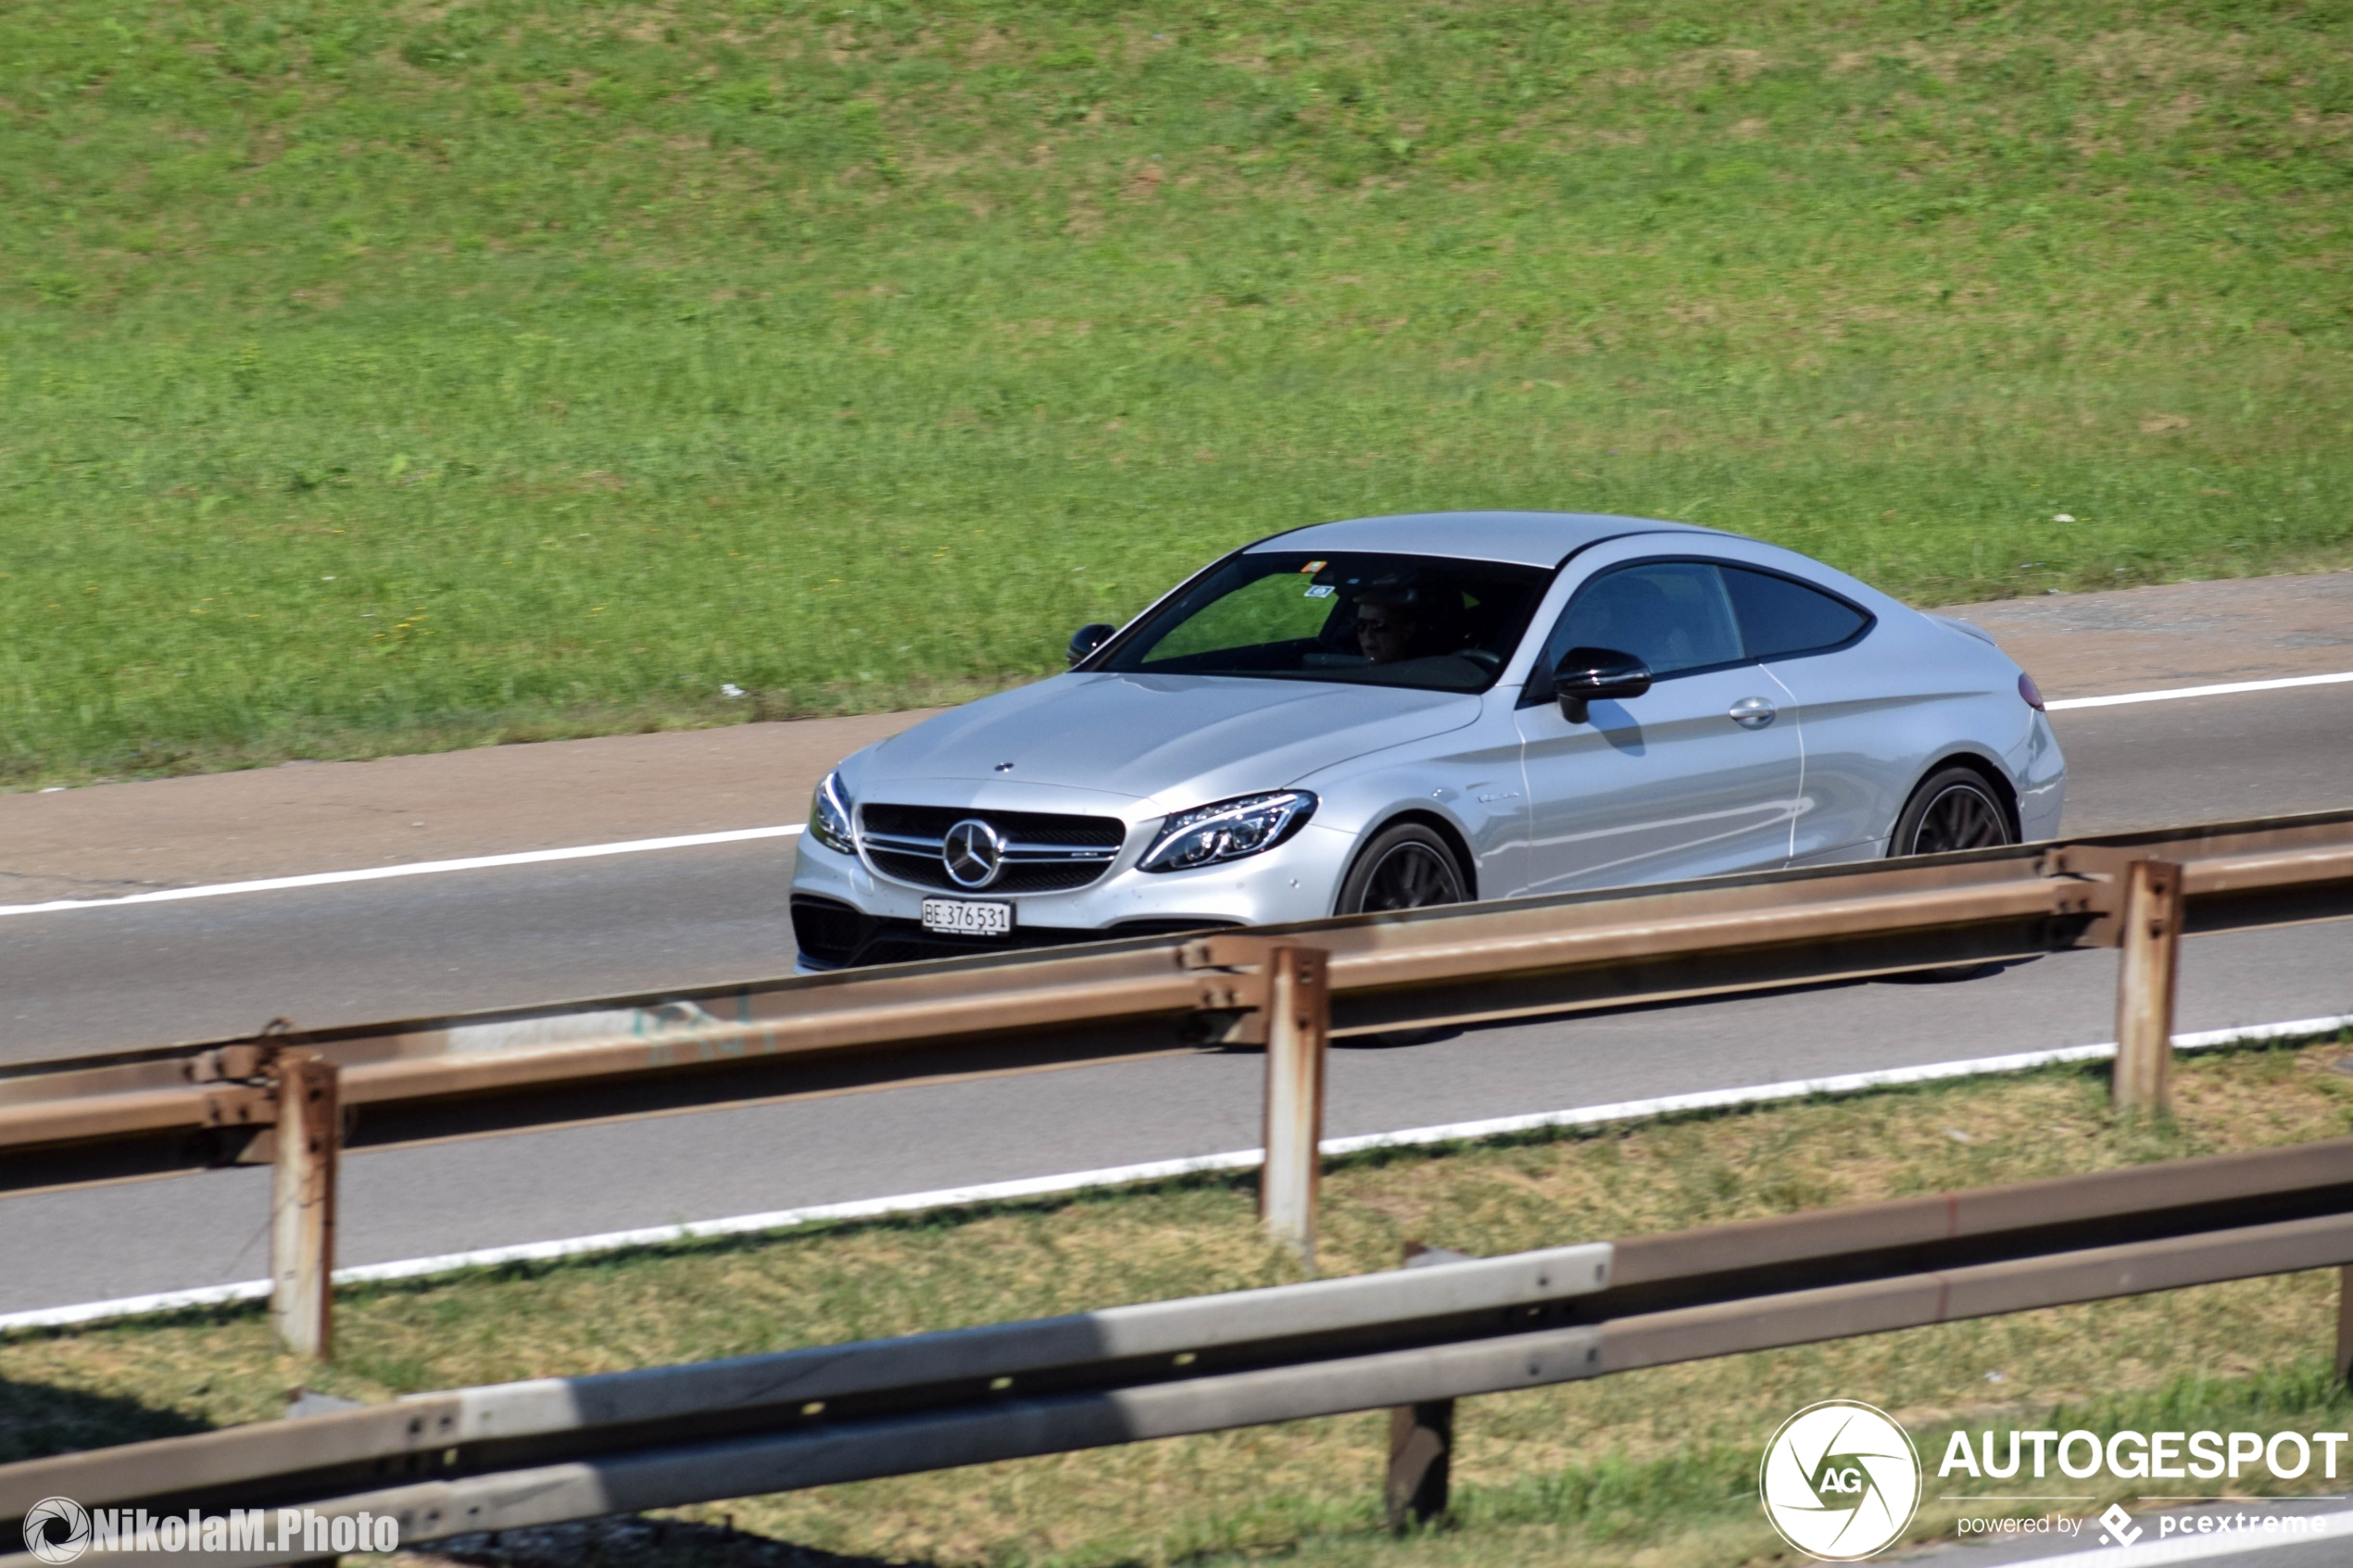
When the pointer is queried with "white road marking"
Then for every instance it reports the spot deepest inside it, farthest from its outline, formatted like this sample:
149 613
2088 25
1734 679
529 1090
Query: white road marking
2174 694
1154 1171
413 868
2318 1528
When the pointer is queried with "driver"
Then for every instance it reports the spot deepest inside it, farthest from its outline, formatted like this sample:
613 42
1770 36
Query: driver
1391 625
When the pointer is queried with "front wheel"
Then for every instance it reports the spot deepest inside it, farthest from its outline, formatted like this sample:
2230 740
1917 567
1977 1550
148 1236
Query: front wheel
1956 808
1405 867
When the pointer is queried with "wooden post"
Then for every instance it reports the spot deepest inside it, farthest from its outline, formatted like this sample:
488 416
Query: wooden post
1298 1016
2150 928
302 1204
1421 1437
1421 1454
2344 1323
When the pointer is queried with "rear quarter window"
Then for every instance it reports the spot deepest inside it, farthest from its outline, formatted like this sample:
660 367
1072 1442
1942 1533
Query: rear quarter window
1780 617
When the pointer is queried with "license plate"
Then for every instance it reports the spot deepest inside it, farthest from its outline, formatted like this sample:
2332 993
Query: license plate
961 916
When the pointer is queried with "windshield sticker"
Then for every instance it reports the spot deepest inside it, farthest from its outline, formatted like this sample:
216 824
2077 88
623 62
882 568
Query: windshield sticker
1313 566
1320 591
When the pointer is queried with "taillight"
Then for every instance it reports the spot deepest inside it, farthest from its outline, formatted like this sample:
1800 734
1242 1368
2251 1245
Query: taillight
2030 691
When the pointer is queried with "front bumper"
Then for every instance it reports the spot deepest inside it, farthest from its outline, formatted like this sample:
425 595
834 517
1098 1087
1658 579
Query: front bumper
846 915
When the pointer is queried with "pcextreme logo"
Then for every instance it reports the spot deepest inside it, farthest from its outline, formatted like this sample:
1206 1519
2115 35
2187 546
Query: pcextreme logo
1839 1481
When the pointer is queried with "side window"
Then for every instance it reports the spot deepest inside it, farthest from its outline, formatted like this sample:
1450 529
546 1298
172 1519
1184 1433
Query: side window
1779 618
1671 614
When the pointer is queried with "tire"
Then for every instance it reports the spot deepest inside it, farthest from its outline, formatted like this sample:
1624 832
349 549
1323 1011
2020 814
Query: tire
1405 867
1953 809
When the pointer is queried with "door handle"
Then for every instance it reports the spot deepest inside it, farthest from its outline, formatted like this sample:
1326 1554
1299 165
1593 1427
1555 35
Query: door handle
1752 713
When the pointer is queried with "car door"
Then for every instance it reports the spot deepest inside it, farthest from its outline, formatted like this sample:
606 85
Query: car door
1697 776
1859 755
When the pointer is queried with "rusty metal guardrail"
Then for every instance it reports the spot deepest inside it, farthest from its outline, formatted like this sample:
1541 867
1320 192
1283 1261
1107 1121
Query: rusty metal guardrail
209 1104
547 1452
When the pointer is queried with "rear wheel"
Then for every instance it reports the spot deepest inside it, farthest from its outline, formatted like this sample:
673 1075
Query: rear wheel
1405 867
1956 808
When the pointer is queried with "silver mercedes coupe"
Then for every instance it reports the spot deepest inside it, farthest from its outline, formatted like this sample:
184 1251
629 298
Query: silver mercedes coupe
1399 711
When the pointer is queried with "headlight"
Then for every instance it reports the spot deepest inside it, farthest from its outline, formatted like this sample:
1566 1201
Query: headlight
1228 831
829 815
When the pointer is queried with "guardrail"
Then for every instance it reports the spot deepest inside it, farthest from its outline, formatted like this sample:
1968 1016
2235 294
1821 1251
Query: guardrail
207 1104
542 1452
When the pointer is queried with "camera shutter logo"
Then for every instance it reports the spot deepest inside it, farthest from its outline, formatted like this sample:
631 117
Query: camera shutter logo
1841 1481
57 1530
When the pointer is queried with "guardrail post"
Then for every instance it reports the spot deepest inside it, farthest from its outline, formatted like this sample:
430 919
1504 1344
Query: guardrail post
1298 1018
2345 1322
1421 1436
2151 940
302 1203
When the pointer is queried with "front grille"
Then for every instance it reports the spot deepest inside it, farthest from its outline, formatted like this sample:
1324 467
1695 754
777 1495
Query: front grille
905 941
1045 851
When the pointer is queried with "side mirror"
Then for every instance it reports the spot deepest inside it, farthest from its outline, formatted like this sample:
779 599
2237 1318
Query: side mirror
1587 675
1088 638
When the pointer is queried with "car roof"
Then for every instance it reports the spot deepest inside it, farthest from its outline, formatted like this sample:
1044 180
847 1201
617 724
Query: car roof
1520 538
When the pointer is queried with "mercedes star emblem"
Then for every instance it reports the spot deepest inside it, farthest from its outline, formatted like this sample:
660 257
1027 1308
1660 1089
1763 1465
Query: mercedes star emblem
974 853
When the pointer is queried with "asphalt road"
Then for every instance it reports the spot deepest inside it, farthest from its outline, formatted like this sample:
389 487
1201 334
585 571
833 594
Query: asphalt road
95 979
91 979
2207 758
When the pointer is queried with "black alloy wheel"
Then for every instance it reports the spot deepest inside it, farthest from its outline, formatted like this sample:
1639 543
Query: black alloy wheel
1405 867
1954 810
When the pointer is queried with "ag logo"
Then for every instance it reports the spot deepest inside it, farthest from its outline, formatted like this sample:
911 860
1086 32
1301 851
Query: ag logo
1841 1481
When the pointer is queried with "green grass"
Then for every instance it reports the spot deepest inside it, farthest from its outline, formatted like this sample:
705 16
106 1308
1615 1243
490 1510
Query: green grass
380 376
1660 1460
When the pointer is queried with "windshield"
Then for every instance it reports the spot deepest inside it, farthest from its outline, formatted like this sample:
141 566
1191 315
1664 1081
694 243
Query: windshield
1423 621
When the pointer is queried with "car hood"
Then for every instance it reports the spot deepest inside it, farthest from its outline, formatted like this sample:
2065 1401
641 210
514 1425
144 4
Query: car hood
1167 741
